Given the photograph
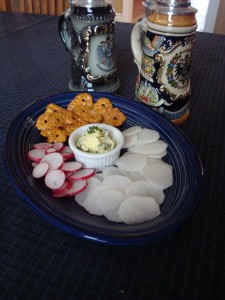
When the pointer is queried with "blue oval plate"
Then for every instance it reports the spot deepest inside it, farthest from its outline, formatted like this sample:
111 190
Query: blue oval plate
180 200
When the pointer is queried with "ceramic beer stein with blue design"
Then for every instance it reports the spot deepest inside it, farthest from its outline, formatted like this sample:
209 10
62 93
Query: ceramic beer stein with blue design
164 57
87 30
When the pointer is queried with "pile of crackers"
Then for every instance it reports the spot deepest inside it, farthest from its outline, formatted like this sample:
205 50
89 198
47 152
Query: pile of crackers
57 123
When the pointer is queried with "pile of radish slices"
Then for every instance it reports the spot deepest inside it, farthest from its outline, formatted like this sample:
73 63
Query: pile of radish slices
130 192
62 175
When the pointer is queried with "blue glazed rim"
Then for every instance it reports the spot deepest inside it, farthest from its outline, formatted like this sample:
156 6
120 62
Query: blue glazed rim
180 202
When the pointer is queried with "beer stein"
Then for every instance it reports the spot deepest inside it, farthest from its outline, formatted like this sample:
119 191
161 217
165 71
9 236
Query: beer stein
164 57
87 30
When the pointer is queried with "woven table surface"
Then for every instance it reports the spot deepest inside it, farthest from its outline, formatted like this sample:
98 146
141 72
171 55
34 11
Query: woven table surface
40 261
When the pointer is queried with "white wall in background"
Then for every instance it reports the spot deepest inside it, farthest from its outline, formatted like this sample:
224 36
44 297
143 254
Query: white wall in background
202 7
127 12
211 15
206 15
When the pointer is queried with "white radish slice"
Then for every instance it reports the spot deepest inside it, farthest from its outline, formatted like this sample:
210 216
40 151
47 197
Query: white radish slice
83 174
55 179
132 162
157 194
40 170
129 141
77 187
138 209
111 170
116 182
113 216
147 136
155 161
99 176
71 166
91 184
55 160
152 161
145 189
137 188
50 150
58 146
67 153
121 171
61 192
90 202
36 154
157 155
42 145
159 175
125 153
135 176
132 130
125 173
151 148
109 202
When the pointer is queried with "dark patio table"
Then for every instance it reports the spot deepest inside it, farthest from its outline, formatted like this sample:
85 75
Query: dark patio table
39 260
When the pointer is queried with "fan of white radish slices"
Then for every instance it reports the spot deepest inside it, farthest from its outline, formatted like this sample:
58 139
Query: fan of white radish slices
130 192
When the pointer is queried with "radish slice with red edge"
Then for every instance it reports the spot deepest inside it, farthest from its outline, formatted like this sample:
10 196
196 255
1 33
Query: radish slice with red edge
68 174
50 150
34 164
42 145
67 153
77 187
55 179
55 160
58 146
71 166
61 192
40 170
83 174
36 154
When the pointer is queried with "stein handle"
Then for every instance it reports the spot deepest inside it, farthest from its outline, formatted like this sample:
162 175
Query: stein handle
136 45
63 29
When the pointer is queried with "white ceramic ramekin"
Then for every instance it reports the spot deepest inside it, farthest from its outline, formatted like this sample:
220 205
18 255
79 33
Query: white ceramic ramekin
100 160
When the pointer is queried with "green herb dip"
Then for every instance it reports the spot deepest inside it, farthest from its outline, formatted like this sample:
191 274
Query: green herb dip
95 140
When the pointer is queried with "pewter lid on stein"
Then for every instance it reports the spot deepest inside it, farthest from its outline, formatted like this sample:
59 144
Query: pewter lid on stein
92 3
175 3
173 6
